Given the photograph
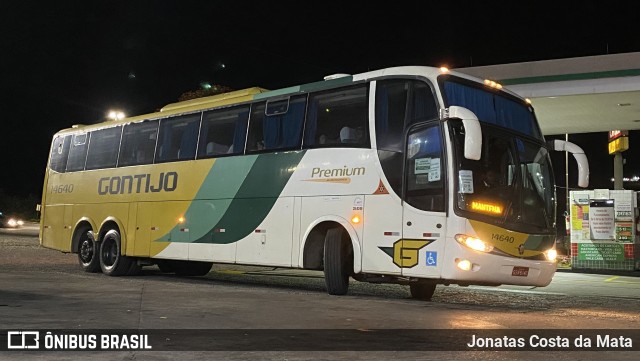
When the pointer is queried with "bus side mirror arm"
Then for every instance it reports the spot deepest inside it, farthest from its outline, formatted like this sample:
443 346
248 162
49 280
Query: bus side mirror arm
578 154
472 130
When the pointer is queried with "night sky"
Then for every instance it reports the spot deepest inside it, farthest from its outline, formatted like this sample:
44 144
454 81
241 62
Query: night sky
69 62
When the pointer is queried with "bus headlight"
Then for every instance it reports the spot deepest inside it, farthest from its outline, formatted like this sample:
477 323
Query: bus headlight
12 222
474 243
551 254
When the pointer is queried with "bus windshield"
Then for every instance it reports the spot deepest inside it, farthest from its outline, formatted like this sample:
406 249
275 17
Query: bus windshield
511 184
492 107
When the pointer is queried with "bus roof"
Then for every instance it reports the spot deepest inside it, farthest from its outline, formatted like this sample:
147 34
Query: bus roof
256 93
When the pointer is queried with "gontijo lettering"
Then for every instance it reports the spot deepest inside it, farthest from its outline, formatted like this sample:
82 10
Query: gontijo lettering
138 183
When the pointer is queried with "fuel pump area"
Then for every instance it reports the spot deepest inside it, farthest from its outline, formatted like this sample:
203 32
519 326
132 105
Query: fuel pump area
604 230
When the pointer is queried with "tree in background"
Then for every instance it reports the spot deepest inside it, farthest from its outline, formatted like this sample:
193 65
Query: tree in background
205 91
19 206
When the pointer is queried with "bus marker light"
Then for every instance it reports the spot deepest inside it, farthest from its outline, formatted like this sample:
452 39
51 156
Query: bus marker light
492 84
355 219
444 69
181 220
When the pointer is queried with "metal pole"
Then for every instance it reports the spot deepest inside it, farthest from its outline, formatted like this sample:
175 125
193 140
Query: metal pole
566 174
617 171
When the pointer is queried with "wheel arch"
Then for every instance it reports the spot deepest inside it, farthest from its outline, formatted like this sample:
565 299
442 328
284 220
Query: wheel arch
82 224
314 238
110 223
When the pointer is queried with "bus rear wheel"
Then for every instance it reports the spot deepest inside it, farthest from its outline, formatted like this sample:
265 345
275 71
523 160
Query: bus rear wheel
422 290
112 262
88 252
336 263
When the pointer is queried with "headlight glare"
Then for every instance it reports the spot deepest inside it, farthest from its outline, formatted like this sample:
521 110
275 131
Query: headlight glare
474 243
551 254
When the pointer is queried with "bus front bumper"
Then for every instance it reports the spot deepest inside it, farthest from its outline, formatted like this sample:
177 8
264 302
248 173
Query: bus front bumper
466 266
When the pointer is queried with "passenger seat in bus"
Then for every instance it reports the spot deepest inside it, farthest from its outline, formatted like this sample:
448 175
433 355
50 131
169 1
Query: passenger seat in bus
140 157
348 135
215 148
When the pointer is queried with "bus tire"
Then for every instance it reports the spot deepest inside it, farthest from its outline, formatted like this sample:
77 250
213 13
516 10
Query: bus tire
88 252
422 290
112 262
191 268
336 263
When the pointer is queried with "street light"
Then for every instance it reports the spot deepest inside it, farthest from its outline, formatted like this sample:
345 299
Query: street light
116 115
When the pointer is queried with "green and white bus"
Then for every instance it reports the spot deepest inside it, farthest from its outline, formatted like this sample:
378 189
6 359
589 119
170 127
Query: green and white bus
411 175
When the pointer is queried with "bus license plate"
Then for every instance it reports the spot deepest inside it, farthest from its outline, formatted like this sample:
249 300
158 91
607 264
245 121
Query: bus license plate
520 271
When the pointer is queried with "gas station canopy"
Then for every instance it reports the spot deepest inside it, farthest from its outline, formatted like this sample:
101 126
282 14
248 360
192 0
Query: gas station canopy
575 95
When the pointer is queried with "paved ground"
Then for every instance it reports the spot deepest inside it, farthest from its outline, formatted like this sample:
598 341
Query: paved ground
44 289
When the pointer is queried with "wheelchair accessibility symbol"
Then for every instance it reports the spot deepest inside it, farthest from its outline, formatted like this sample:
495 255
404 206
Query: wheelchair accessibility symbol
432 258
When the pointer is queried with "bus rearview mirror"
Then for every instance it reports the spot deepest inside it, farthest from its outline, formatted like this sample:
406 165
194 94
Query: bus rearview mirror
472 131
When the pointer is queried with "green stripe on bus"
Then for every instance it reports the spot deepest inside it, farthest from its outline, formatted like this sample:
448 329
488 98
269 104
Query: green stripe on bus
214 196
273 93
327 84
255 198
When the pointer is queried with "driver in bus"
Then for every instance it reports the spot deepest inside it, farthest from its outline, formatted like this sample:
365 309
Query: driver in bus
489 179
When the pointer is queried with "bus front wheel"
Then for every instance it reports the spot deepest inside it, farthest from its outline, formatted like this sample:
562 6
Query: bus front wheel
88 252
336 263
422 290
112 262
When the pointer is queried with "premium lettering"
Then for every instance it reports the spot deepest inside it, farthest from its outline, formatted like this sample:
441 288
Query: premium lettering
337 172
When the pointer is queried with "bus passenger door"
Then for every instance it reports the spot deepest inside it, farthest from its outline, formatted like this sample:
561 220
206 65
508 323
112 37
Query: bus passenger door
424 217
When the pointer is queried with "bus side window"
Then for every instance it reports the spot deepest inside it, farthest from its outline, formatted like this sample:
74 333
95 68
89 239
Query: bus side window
59 153
138 143
78 152
399 104
103 148
255 138
338 118
277 124
425 163
223 132
178 138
